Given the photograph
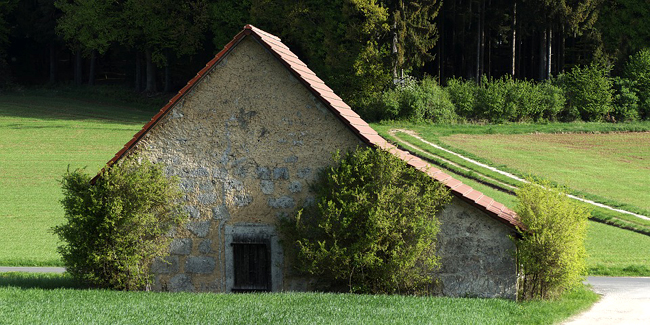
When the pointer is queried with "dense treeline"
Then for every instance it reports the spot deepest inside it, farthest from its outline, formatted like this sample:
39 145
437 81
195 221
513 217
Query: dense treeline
361 48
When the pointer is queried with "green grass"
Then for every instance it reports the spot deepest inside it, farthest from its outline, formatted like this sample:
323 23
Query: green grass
40 137
617 252
38 299
596 163
613 251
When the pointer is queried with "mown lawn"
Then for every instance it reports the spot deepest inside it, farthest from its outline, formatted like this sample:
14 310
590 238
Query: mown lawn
40 136
49 299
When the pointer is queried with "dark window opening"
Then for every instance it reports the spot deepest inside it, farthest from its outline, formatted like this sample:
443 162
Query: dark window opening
252 267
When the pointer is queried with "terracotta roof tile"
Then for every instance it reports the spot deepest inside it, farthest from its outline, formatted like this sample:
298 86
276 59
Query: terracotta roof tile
342 111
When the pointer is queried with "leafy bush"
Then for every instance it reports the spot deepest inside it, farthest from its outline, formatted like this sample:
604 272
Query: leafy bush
626 102
463 95
552 252
420 101
118 225
637 69
588 91
491 100
373 228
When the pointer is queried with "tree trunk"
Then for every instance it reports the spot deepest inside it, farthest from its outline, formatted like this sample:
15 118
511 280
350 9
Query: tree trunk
52 62
78 60
514 39
549 52
394 50
482 26
478 46
93 67
561 50
151 73
168 74
138 72
542 55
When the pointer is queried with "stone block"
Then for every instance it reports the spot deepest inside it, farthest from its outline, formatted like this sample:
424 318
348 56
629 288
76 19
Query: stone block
283 202
199 172
220 212
199 228
207 198
180 246
267 186
200 264
192 211
295 187
280 173
181 282
263 173
166 265
291 159
233 185
205 247
304 172
242 200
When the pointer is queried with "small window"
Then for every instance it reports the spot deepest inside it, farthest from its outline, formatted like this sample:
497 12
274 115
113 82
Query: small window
252 267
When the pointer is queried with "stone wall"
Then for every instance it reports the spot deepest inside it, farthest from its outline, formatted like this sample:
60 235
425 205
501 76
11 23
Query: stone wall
247 142
476 254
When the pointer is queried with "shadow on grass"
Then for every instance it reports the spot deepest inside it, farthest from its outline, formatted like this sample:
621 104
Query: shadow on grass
47 281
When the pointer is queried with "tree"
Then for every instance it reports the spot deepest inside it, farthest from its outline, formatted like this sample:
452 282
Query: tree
160 28
551 251
117 226
373 228
89 26
414 33
5 8
624 26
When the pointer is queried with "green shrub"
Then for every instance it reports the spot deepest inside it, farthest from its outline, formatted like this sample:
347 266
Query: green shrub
588 91
428 101
463 95
552 252
116 227
637 69
552 101
626 102
373 228
491 101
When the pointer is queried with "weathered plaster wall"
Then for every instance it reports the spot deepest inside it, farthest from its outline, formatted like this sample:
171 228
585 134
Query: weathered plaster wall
247 142
477 254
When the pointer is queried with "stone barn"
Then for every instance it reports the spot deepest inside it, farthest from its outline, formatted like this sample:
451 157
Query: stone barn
247 137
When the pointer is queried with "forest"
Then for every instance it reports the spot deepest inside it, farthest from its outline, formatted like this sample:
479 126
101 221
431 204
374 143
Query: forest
368 51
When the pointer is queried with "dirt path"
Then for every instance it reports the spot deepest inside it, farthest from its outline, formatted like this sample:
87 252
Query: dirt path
624 301
506 174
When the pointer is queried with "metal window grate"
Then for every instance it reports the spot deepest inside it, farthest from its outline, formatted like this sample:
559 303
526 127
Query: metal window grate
252 267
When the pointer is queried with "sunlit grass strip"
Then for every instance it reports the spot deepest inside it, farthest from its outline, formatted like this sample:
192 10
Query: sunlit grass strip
26 303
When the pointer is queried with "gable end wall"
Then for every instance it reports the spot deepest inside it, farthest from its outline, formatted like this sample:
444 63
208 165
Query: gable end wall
247 142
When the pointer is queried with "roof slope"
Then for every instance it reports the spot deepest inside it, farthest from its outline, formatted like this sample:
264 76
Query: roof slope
344 113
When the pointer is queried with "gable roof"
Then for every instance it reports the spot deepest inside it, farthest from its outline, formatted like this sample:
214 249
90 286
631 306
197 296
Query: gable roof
343 112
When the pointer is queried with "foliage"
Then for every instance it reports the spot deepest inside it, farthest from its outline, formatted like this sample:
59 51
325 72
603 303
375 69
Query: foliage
505 99
637 70
551 251
414 33
118 225
373 228
92 24
625 100
421 100
588 91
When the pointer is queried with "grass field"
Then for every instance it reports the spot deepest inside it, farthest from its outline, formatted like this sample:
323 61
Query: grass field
612 251
39 137
40 299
